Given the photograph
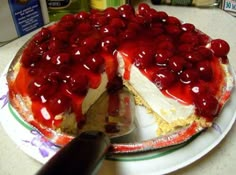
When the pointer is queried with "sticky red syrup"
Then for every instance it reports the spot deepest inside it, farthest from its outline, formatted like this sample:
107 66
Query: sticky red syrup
64 60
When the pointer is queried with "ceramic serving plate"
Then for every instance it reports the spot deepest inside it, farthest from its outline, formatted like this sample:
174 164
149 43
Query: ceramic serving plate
159 161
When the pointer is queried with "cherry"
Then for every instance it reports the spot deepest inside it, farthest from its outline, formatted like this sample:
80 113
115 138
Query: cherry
117 23
55 44
205 70
58 104
163 37
108 30
143 9
177 63
185 48
206 105
60 58
199 88
79 54
164 78
189 76
193 56
160 16
111 12
91 43
78 84
109 44
63 36
189 37
187 27
47 56
81 16
84 27
203 39
171 20
134 26
153 16
128 34
166 45
67 22
220 47
173 29
43 35
30 57
94 63
99 20
157 29
206 53
144 57
162 56
41 89
126 11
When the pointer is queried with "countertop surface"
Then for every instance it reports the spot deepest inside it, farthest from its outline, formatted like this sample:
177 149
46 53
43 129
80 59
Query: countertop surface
221 160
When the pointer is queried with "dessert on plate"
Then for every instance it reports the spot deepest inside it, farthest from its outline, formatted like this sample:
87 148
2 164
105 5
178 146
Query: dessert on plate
180 74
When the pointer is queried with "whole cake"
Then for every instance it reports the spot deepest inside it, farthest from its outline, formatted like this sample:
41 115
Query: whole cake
177 72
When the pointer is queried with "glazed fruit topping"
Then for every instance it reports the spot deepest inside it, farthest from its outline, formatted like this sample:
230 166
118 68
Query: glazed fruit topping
220 47
69 57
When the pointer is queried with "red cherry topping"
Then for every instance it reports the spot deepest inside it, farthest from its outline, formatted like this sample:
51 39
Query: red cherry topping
90 43
205 53
206 105
84 27
78 84
143 9
205 70
144 57
82 15
173 29
164 78
161 16
67 22
220 47
43 35
171 20
109 44
61 58
58 104
189 37
162 57
79 54
166 45
193 56
117 23
187 27
94 63
64 60
111 13
177 63
189 76
185 48
41 89
108 30
126 11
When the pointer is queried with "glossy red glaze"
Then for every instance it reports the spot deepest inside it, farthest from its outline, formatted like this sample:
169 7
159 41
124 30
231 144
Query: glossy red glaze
168 53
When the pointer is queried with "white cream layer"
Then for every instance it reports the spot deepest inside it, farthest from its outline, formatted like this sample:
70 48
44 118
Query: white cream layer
167 108
94 94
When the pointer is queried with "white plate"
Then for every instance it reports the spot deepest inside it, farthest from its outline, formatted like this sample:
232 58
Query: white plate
156 162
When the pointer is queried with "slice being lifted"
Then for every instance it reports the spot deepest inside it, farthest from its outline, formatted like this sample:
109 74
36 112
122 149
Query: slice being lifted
177 72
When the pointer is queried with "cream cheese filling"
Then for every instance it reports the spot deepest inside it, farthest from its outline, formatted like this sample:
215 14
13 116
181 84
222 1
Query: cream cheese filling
168 109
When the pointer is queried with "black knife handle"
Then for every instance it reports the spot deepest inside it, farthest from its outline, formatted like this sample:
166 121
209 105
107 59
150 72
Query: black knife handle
81 156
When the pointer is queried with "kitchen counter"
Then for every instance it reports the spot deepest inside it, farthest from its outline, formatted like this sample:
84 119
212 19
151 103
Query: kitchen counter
221 160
